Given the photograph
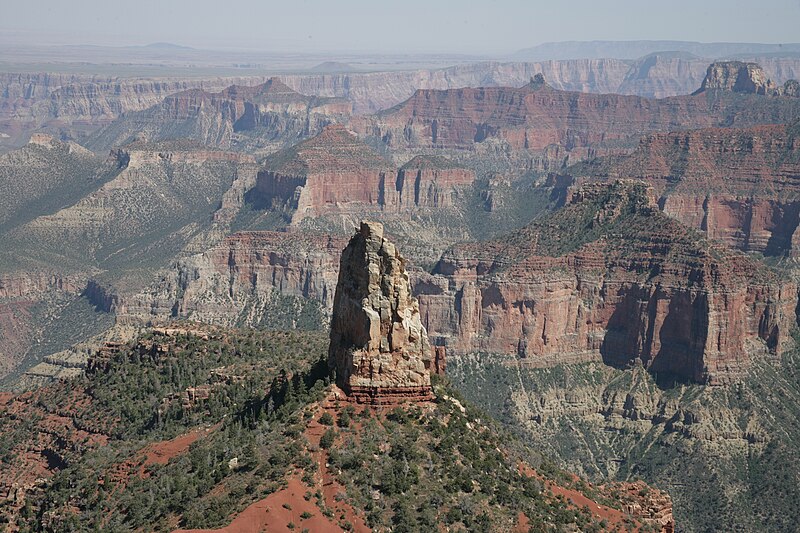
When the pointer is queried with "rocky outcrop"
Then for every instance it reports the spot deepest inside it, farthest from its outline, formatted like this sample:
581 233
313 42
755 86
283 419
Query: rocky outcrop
379 347
739 186
36 283
335 172
537 116
737 77
748 78
375 91
610 278
657 75
72 104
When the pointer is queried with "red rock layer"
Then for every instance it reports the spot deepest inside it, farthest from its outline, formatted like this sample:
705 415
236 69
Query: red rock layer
638 286
741 186
330 169
536 116
30 284
245 106
427 181
335 170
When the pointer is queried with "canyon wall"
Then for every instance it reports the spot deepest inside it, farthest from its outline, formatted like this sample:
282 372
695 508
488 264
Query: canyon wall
740 186
610 278
335 171
271 110
237 281
607 278
430 181
536 116
63 102
657 75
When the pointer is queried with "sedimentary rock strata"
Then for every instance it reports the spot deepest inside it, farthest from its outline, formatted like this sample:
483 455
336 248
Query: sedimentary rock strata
273 110
238 280
737 77
335 171
610 277
430 181
379 347
536 116
740 186
327 171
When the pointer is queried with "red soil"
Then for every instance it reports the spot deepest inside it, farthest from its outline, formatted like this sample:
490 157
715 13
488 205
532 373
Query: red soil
324 477
523 524
161 452
612 516
601 512
270 514
154 453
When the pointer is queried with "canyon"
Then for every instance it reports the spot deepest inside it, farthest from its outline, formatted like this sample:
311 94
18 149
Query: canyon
272 110
581 263
607 278
75 104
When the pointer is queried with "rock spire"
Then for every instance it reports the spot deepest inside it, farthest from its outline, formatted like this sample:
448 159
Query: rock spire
379 347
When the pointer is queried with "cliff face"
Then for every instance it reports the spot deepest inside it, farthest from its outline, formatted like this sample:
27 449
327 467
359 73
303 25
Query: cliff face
663 74
274 111
326 171
536 116
737 185
334 171
610 278
737 77
658 75
75 104
379 347
242 279
373 92
34 284
428 181
607 278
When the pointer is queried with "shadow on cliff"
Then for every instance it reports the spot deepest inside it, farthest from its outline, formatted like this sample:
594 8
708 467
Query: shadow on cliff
667 346
258 213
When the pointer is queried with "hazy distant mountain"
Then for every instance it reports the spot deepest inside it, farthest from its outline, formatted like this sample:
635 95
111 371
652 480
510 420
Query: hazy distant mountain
636 49
168 46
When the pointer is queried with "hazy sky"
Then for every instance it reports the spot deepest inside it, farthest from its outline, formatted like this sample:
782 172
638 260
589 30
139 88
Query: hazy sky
486 26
